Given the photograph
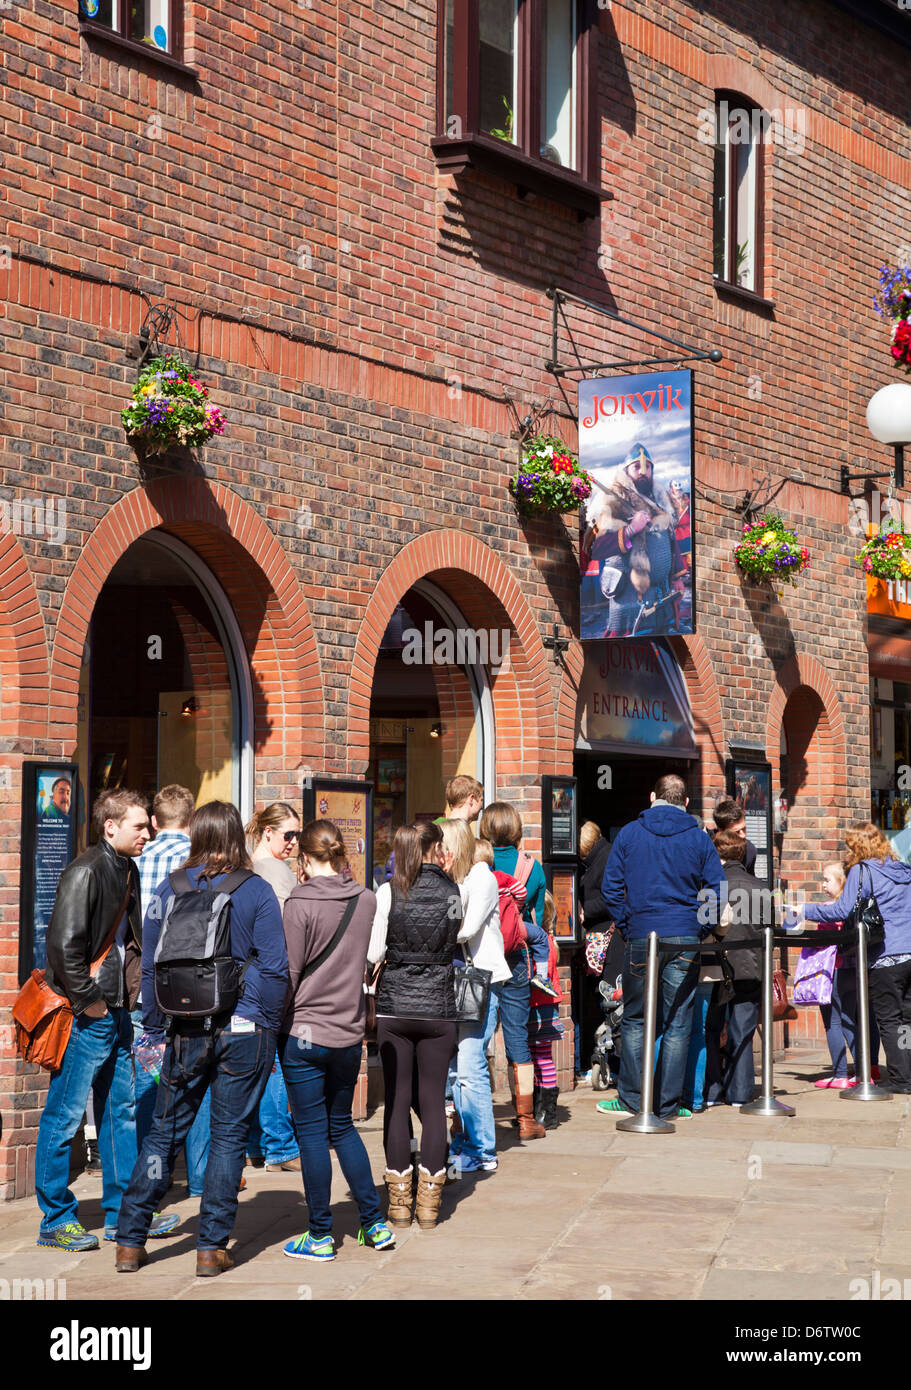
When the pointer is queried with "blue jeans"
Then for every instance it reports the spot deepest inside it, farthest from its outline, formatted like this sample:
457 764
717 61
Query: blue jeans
471 1089
513 1002
272 1132
677 977
98 1058
694 1083
840 1021
321 1082
197 1139
731 1074
234 1067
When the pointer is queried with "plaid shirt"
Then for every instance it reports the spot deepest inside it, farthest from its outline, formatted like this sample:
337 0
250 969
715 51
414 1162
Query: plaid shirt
161 856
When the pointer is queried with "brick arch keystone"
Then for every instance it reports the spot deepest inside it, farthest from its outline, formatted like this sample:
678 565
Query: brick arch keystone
803 670
246 558
471 574
24 666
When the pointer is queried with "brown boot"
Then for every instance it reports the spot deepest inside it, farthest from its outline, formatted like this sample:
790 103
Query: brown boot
524 1080
129 1258
430 1194
400 1187
212 1262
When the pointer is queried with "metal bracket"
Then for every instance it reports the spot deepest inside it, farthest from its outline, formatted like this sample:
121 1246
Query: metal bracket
557 644
560 297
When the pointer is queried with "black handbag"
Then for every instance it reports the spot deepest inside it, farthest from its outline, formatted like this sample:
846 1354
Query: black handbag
866 910
472 992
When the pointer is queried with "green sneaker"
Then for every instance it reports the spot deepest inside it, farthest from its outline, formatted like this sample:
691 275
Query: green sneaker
71 1237
379 1235
683 1113
613 1107
305 1247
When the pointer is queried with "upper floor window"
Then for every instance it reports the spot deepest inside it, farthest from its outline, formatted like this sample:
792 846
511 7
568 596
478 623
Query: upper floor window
738 193
153 22
517 71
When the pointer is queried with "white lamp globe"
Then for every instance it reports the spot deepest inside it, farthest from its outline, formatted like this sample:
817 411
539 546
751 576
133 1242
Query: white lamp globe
889 414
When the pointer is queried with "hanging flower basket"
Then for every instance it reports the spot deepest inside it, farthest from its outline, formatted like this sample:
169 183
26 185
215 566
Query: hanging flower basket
887 555
770 550
893 301
550 479
170 407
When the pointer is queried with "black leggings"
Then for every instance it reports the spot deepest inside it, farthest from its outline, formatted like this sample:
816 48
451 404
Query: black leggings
430 1043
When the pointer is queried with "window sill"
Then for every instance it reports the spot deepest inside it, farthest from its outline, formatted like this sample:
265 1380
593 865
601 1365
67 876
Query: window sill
529 175
749 298
100 33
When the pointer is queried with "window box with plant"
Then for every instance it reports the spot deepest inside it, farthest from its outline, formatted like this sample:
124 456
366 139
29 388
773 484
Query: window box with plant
516 95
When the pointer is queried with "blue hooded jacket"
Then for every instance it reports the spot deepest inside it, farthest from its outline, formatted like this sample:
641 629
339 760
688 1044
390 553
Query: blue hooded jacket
657 868
892 887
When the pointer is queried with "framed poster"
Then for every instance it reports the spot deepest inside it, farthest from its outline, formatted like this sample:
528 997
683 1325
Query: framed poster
49 804
637 535
350 805
750 783
558 818
563 886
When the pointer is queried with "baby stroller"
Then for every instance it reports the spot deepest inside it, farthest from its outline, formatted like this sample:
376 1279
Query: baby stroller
606 1053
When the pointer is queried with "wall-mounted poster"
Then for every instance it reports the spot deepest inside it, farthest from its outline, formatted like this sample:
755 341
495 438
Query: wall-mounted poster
350 805
562 884
558 817
49 803
751 785
636 440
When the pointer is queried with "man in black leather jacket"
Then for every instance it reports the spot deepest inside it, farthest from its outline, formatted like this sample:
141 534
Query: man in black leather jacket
97 903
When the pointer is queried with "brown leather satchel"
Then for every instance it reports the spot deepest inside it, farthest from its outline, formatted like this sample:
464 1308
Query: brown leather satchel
781 1008
44 1018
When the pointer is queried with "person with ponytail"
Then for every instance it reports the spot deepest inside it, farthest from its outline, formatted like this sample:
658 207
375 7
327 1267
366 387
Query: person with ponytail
328 922
273 834
417 922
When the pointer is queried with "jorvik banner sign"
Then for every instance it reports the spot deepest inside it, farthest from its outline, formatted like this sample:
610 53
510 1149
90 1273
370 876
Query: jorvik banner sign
636 440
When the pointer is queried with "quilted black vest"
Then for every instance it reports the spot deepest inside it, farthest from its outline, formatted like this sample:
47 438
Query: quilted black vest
420 944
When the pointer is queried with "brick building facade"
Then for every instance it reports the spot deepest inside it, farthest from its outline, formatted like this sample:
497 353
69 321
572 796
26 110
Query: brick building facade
374 323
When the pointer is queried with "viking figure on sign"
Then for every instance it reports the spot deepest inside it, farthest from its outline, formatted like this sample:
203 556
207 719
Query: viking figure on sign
630 537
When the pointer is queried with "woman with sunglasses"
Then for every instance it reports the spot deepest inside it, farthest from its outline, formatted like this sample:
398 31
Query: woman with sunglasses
273 834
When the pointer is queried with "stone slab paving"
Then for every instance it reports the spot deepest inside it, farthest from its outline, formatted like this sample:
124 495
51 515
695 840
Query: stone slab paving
729 1207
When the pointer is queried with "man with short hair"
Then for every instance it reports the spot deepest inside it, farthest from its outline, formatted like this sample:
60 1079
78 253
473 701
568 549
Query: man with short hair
464 799
659 869
728 815
97 905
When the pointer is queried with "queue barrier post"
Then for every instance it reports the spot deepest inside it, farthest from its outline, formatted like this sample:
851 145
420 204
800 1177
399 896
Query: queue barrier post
645 1122
766 1104
864 1089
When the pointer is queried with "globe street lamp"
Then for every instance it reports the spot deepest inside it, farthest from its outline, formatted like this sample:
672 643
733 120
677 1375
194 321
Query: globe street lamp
889 421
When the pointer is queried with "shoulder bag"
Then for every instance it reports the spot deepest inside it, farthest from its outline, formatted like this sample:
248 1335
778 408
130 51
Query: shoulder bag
472 992
44 1018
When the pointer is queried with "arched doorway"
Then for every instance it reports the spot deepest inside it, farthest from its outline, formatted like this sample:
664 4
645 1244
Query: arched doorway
431 711
165 688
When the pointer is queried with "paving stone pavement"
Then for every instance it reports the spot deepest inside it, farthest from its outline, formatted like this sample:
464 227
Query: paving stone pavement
729 1207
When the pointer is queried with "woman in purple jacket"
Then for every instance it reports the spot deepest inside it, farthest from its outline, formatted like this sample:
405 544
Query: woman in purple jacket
871 863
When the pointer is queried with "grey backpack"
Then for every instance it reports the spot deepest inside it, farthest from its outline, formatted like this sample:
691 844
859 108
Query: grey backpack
196 976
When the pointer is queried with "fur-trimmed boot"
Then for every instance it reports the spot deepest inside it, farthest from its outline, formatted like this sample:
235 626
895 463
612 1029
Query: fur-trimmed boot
400 1187
430 1194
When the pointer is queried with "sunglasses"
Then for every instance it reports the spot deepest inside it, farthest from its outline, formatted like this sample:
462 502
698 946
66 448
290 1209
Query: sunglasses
290 835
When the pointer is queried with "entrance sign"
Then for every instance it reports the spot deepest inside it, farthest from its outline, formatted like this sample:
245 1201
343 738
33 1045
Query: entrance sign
636 441
350 805
633 696
49 812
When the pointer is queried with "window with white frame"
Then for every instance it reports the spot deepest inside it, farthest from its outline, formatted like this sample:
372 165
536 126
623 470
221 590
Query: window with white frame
737 224
152 22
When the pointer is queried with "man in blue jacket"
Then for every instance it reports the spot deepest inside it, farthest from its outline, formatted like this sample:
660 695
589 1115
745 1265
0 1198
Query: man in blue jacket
663 875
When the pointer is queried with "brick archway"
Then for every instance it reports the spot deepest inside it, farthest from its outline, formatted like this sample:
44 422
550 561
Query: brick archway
488 596
256 575
24 666
825 741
